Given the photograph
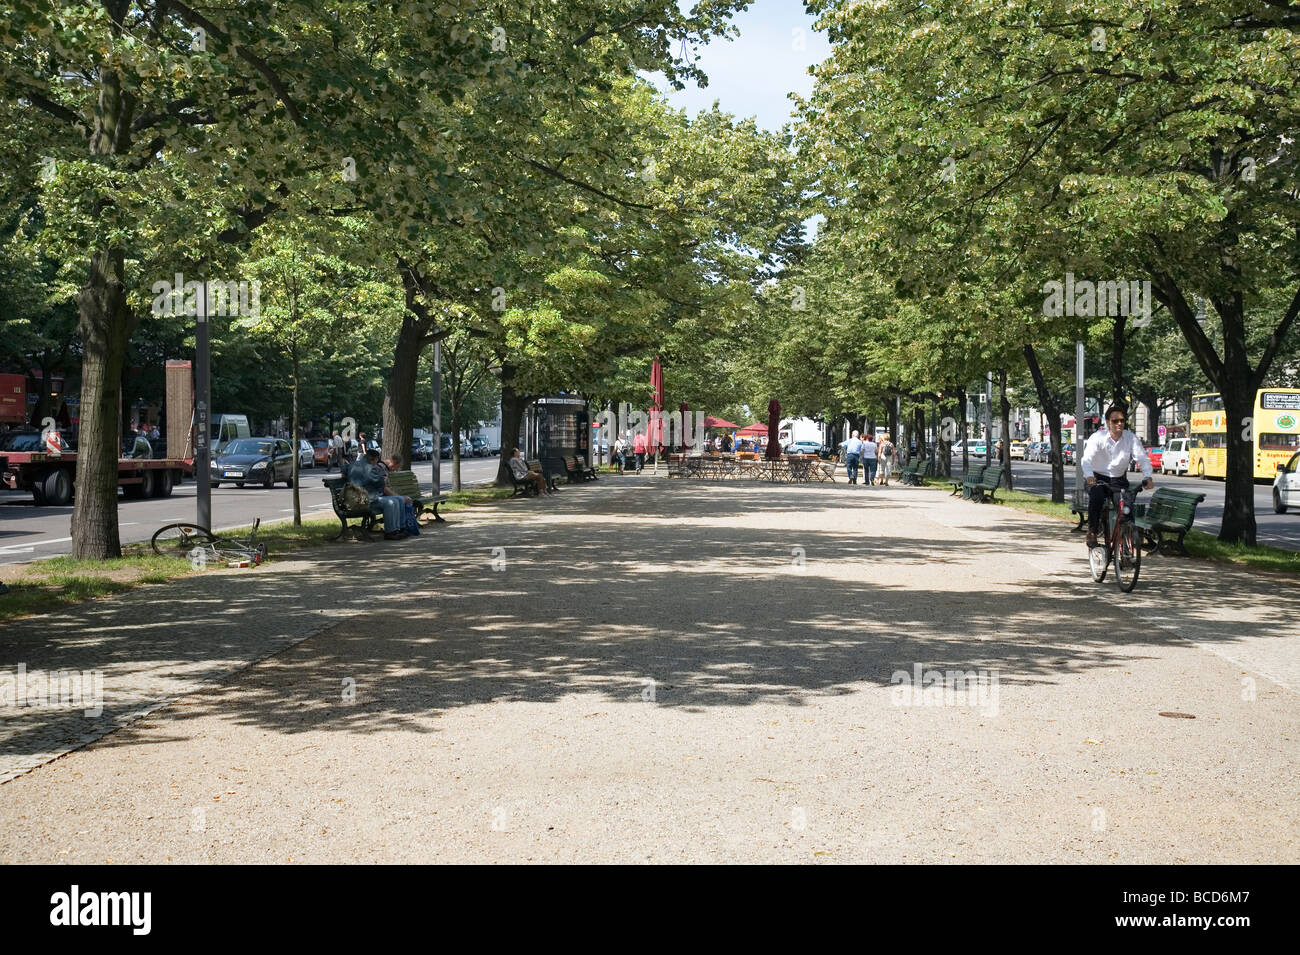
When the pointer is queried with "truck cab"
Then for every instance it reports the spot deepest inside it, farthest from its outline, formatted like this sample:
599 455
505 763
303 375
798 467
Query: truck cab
227 428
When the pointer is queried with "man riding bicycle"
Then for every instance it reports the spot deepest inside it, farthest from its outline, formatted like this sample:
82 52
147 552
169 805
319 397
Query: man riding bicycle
1106 457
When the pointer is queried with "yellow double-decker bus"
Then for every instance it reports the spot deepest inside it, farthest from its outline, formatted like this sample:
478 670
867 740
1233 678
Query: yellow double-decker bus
1274 430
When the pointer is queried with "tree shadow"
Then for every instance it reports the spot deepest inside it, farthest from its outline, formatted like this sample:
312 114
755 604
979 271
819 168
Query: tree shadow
702 597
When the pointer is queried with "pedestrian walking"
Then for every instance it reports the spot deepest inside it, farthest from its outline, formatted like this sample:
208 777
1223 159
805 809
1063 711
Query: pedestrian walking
639 445
852 456
620 453
334 455
886 453
870 458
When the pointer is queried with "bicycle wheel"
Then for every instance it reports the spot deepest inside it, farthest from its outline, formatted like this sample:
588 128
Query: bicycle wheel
1099 556
1128 557
176 540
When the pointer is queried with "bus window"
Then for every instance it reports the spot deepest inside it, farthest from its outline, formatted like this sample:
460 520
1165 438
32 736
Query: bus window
1279 442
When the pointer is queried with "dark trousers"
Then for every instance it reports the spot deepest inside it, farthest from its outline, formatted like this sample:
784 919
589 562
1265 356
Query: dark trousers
1098 494
869 466
640 461
851 465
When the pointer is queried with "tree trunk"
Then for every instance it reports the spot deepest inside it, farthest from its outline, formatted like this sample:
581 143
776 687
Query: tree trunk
1052 409
399 392
1239 474
1117 359
513 406
1005 408
965 433
104 324
104 328
455 443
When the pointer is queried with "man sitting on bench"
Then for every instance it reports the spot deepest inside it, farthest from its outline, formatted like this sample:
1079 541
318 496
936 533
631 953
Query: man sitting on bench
519 468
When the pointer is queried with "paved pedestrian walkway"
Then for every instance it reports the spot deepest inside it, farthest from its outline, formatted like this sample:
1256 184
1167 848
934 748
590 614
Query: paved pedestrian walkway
652 670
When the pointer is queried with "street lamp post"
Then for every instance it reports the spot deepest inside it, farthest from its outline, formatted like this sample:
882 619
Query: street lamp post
202 407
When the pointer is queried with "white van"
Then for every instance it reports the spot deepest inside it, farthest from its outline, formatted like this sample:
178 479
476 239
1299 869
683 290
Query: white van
228 427
1174 458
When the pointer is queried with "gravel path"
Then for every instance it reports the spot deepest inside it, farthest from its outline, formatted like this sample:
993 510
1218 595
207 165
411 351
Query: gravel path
645 670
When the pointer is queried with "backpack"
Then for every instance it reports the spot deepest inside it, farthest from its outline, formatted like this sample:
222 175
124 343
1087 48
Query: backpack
355 498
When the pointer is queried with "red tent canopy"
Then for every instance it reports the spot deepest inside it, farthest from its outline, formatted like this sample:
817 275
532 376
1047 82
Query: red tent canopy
757 428
711 422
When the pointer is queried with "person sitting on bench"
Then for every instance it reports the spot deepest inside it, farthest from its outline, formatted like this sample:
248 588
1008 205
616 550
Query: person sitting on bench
372 477
519 468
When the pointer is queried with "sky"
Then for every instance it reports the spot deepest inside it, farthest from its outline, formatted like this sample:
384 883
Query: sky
752 74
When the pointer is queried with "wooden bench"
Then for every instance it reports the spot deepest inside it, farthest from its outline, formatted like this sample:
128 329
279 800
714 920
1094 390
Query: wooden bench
576 469
368 515
406 484
525 488
973 476
988 484
1168 512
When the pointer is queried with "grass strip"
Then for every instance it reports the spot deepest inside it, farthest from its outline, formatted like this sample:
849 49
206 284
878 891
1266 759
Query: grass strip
60 581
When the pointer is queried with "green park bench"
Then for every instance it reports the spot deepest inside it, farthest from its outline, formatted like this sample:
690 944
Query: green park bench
405 484
960 485
347 509
1169 511
912 473
984 489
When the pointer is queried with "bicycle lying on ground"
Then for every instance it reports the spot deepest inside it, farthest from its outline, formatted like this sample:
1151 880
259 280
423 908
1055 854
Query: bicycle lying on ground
201 547
1122 544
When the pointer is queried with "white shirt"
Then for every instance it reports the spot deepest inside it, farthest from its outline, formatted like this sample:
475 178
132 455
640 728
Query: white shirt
1104 455
869 449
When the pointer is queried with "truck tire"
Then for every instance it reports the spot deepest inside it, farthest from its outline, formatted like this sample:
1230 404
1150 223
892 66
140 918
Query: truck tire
38 492
163 485
58 488
148 483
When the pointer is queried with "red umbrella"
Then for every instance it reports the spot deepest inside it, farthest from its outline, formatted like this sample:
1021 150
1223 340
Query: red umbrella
656 433
773 429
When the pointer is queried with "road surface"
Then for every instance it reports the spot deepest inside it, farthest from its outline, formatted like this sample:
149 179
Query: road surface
28 532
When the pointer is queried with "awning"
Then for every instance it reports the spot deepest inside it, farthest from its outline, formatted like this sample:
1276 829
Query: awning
758 428
710 422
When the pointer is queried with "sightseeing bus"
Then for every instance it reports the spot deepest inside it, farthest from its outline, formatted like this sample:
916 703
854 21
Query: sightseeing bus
1274 432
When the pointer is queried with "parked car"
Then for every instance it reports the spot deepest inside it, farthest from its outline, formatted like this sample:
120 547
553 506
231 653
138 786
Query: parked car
1286 485
803 447
320 453
479 446
306 454
1174 458
262 461
1067 453
1156 456
422 449
1017 450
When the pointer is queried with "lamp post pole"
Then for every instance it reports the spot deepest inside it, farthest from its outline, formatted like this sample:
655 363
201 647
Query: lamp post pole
202 408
